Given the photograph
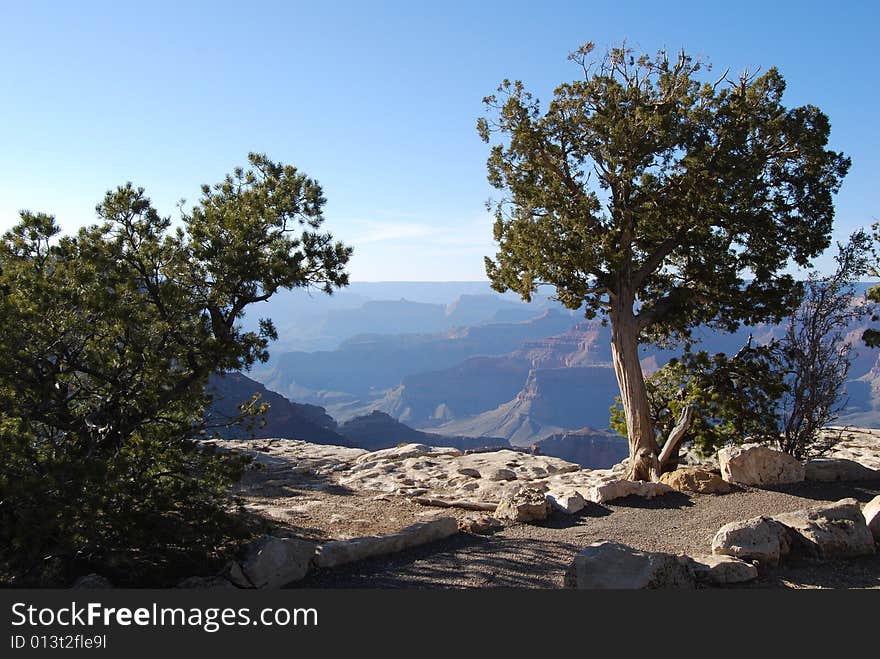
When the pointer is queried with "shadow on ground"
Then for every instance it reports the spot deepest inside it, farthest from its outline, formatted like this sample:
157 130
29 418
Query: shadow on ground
861 572
673 500
862 491
462 561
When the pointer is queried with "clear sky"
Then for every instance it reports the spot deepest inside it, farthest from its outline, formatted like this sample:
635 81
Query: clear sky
376 100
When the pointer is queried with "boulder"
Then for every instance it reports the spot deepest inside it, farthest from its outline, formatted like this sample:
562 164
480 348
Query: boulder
693 479
871 513
617 489
611 565
234 575
720 569
526 505
835 530
754 464
567 502
838 469
761 539
340 552
481 525
92 581
273 562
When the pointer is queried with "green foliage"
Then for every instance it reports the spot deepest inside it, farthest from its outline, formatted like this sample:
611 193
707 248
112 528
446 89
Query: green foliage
871 336
107 340
643 182
660 199
782 393
734 397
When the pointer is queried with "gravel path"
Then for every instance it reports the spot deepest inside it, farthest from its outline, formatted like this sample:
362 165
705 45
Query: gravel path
536 556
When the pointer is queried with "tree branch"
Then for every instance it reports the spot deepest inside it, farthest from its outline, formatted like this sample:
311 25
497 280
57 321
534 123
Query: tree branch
654 261
673 300
677 434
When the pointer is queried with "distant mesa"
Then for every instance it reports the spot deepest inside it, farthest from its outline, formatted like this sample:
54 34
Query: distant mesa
287 420
367 363
593 449
524 373
378 430
550 402
284 418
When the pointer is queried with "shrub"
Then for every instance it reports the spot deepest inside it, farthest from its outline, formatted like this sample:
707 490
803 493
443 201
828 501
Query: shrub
107 340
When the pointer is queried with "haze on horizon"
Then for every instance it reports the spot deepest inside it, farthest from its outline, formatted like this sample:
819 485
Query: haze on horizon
377 101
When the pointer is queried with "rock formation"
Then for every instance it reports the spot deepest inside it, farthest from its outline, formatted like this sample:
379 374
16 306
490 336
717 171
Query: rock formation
754 464
825 531
611 565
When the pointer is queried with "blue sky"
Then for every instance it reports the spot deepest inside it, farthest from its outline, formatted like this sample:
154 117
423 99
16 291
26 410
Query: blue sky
376 100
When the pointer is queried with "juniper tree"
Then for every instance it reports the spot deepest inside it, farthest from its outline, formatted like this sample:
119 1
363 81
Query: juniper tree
733 398
659 199
783 392
107 340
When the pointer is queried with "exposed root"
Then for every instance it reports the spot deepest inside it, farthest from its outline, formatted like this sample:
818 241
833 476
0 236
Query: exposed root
466 505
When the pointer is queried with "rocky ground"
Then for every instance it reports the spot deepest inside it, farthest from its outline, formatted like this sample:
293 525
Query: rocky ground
332 493
537 555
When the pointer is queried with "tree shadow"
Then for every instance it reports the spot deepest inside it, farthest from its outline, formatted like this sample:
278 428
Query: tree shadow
462 561
862 491
862 572
561 520
672 501
278 479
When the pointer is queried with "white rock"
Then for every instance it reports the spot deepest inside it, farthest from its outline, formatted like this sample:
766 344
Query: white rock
567 502
611 565
754 464
838 469
341 552
761 539
618 489
480 525
835 530
871 513
273 562
721 569
286 459
499 475
861 445
420 470
407 451
526 505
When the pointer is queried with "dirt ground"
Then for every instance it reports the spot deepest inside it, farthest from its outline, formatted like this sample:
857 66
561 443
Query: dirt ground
537 555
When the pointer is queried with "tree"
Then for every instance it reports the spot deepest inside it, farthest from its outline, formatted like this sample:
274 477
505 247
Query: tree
782 393
660 201
731 398
107 340
816 353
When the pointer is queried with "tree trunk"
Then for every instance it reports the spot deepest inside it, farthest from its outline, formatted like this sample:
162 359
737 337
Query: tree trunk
668 459
643 450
